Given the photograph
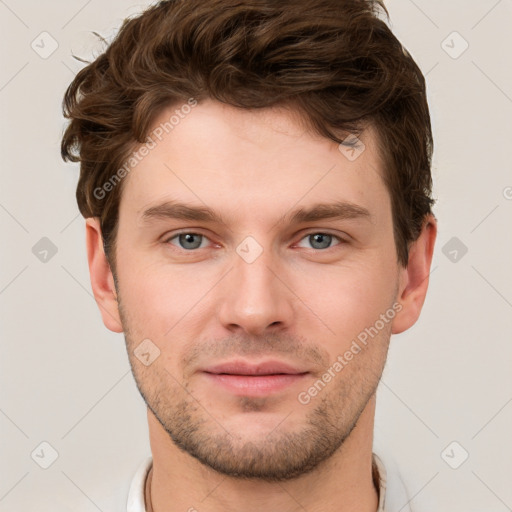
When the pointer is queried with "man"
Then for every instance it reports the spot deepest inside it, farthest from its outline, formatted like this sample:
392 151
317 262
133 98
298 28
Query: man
255 178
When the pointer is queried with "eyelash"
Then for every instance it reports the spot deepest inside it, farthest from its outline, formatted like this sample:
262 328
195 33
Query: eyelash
176 235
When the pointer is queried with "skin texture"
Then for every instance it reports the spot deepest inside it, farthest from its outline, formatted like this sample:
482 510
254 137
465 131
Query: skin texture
303 301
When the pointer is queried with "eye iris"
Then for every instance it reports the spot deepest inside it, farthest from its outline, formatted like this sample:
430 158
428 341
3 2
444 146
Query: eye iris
187 240
322 239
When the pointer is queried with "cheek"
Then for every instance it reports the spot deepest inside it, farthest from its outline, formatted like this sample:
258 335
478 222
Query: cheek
347 300
144 300
160 301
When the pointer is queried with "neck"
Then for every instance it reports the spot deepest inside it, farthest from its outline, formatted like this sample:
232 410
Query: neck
343 483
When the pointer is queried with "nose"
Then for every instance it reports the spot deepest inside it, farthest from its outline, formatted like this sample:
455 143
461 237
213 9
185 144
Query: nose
254 299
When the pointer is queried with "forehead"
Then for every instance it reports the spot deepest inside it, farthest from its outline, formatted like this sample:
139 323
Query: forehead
250 162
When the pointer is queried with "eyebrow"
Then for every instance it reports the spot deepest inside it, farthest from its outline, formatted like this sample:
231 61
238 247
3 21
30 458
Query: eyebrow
338 210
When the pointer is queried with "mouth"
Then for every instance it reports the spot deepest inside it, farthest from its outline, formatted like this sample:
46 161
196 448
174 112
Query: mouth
254 379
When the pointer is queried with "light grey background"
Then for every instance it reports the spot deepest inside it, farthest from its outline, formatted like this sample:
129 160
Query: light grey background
65 378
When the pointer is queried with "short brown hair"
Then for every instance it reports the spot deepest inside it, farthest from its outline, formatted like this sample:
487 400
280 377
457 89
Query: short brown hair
336 62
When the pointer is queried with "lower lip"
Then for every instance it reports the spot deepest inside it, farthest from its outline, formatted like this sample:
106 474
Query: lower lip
257 385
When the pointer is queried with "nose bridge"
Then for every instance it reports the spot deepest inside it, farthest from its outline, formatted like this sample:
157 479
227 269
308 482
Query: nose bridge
254 298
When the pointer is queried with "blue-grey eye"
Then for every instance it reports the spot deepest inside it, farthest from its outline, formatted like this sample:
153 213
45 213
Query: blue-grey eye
320 240
189 240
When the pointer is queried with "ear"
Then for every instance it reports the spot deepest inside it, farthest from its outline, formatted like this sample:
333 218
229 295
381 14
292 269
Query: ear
414 279
102 280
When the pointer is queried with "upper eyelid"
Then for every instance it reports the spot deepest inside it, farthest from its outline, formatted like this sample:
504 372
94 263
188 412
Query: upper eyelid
340 239
187 232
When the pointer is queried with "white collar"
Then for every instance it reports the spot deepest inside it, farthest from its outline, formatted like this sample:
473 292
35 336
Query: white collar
392 496
136 502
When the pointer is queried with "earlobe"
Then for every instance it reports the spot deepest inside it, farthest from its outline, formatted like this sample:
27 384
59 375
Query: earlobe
102 280
414 279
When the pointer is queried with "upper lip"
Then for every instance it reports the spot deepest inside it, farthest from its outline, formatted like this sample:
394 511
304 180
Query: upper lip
239 367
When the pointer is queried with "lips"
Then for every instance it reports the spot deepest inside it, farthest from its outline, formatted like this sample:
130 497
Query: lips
254 369
242 378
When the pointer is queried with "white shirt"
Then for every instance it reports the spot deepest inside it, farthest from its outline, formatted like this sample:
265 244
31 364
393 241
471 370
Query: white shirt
392 496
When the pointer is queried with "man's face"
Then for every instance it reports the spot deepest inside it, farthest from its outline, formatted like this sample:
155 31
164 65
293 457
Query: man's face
257 288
